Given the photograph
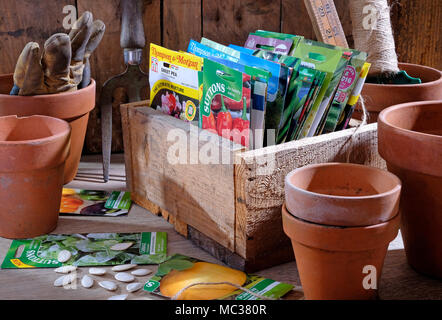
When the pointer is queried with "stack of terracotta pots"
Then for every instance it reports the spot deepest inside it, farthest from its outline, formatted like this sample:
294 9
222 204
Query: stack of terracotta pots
38 155
410 140
341 219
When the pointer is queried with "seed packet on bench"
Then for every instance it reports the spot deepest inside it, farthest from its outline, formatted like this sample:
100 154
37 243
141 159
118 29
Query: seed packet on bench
91 249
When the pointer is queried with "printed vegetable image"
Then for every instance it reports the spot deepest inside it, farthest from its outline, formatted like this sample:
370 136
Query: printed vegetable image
209 123
224 121
93 195
69 203
175 280
170 104
240 130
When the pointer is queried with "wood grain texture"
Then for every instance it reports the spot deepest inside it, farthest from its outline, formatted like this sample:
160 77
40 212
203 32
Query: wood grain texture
107 61
24 21
230 21
200 195
181 22
259 182
417 26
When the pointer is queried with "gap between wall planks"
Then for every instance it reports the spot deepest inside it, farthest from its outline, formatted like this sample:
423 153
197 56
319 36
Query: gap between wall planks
172 23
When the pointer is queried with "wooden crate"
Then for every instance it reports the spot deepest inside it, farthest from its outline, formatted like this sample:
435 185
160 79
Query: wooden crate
232 210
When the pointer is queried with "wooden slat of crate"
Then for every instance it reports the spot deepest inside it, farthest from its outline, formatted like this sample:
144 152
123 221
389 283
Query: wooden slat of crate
200 195
259 182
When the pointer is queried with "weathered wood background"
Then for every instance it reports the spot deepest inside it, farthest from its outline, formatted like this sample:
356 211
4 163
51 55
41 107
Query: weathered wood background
416 24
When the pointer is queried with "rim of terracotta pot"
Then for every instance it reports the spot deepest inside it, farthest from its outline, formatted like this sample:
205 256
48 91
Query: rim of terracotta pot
406 66
332 238
426 152
36 149
339 210
47 101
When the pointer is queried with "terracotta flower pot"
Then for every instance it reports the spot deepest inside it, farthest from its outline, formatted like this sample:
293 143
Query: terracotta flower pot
342 194
73 107
334 262
410 140
380 96
33 154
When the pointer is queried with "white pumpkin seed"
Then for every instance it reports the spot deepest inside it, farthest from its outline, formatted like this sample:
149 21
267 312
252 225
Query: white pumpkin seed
124 267
65 280
121 246
87 281
141 272
119 297
124 277
132 287
65 269
64 256
97 271
108 285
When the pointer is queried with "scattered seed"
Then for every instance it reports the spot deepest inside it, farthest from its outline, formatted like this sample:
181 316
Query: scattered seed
121 246
65 269
87 281
64 256
124 277
108 285
97 271
132 287
141 272
65 280
119 297
124 267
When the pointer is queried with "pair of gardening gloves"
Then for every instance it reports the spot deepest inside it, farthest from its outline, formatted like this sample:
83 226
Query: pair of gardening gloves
61 65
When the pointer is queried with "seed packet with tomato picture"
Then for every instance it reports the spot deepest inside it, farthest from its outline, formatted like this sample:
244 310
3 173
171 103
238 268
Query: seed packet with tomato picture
174 82
225 103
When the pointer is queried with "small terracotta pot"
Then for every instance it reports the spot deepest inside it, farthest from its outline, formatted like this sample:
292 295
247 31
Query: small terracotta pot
342 194
73 107
380 96
334 262
410 140
33 154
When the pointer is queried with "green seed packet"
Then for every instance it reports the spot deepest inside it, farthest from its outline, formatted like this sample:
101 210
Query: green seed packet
327 59
345 89
95 202
92 249
282 36
180 271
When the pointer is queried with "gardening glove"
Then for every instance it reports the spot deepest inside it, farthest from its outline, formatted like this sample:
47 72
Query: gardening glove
97 33
43 73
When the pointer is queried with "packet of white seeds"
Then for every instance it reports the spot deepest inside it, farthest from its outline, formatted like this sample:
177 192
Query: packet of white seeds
174 82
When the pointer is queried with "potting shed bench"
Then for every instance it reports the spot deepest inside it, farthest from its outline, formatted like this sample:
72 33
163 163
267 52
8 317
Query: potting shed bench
398 280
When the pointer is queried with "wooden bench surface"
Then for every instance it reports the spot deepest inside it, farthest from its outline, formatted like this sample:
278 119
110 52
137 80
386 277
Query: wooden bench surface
398 281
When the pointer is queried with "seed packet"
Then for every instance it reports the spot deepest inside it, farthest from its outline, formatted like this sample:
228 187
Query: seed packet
225 102
95 202
311 98
325 58
242 49
180 271
92 249
269 44
277 87
346 85
349 108
204 51
259 81
174 82
282 36
215 45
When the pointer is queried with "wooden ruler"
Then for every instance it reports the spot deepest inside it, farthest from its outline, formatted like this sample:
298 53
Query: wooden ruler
326 22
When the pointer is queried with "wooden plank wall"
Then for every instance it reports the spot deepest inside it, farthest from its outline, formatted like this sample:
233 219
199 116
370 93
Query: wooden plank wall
416 24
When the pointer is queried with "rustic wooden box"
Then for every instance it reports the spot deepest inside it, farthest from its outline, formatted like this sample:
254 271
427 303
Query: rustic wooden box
232 210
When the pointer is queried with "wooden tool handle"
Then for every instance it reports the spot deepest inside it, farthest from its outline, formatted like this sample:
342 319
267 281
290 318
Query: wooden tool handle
132 29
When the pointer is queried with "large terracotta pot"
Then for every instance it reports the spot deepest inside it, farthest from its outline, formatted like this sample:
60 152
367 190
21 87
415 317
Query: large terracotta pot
342 194
74 107
380 96
410 140
33 154
334 262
